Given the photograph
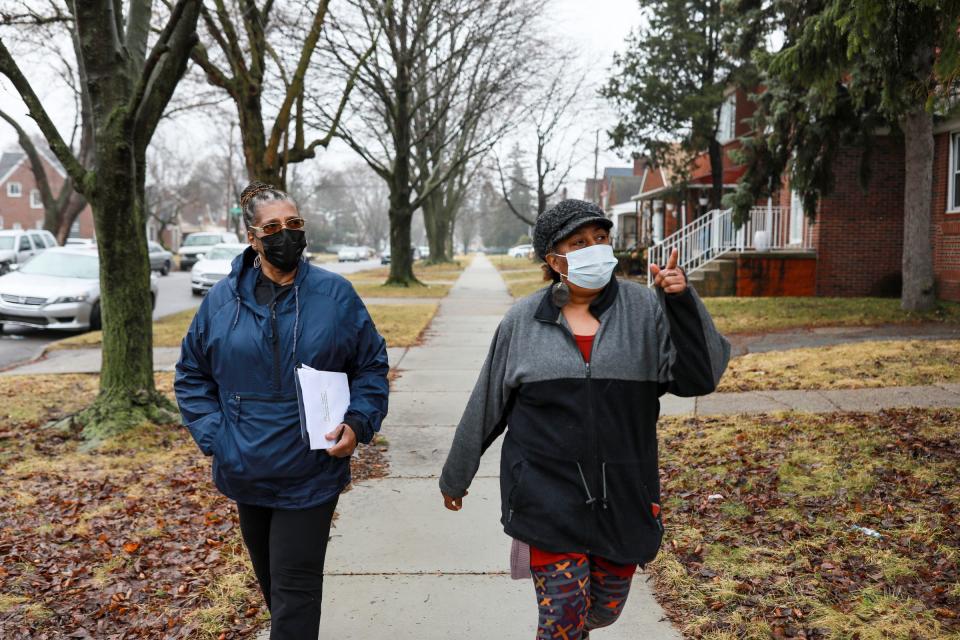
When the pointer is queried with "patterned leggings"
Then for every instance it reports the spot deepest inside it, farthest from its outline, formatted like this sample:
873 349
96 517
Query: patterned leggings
577 594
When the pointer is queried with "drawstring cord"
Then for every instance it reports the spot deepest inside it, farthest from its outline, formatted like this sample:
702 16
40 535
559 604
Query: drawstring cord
590 499
236 317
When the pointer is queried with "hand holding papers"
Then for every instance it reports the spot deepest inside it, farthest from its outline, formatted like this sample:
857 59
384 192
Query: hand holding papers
324 397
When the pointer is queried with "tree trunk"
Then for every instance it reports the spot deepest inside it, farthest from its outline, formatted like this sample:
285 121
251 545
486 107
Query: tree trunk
716 173
127 393
436 219
918 279
69 213
401 256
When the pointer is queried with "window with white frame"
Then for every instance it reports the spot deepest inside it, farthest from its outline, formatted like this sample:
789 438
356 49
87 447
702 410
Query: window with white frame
14 189
953 188
17 226
35 201
727 126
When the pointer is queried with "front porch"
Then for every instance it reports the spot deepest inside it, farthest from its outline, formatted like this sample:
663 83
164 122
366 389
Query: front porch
771 254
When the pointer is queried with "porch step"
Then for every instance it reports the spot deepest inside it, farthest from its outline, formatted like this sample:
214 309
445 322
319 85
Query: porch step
718 278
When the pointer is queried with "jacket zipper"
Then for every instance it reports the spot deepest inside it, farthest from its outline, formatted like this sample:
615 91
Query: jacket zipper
276 345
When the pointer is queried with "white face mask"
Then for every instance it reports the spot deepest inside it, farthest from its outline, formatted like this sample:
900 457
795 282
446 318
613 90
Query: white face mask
590 267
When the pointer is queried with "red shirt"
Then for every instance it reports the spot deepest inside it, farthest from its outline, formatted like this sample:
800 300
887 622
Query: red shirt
586 345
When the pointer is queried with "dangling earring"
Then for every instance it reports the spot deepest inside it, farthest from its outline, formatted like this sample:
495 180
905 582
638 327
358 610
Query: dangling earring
257 262
560 294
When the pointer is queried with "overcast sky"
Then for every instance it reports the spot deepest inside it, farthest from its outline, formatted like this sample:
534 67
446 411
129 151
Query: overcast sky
597 29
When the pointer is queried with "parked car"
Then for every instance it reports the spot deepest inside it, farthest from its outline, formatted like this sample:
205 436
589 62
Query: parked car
424 253
354 254
385 256
214 266
198 243
82 242
57 289
19 245
160 259
520 251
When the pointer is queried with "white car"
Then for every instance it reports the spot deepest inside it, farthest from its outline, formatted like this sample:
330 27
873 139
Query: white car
353 254
214 266
58 289
199 243
520 251
17 246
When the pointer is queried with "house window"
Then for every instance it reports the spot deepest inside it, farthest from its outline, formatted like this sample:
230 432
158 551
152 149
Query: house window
75 229
727 125
14 189
35 201
953 195
17 226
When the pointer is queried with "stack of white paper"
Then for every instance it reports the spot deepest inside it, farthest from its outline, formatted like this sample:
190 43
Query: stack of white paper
324 398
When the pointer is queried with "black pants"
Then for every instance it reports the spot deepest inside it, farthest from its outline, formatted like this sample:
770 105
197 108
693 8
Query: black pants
287 549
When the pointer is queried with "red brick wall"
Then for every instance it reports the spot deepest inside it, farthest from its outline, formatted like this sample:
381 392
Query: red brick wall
859 234
18 210
776 275
946 226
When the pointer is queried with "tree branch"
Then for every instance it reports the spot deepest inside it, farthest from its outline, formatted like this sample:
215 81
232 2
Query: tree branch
9 68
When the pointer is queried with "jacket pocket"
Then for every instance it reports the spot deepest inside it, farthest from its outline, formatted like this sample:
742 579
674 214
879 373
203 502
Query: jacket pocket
262 450
545 502
628 524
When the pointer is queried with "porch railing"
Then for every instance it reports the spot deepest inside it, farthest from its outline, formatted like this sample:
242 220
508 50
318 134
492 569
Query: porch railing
713 234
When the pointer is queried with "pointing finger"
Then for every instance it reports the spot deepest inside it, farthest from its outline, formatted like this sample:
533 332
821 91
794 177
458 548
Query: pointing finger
672 260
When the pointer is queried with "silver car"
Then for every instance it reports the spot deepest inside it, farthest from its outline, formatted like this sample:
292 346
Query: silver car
57 289
214 266
160 259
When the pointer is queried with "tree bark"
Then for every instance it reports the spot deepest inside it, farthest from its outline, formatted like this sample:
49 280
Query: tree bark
918 292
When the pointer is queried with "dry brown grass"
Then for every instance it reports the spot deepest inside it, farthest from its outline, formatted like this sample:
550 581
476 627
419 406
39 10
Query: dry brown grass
849 366
778 554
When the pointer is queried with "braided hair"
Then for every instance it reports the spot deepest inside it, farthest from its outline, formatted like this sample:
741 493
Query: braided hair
257 193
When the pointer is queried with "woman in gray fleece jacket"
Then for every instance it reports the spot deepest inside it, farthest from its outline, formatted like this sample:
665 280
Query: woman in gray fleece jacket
576 371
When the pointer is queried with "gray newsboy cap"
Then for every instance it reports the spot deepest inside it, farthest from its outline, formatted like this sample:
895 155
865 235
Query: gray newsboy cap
562 219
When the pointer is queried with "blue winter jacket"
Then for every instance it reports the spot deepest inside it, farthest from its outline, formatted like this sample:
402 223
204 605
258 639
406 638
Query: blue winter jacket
236 388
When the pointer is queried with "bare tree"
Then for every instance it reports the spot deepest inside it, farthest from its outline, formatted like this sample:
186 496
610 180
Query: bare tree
62 208
468 103
246 44
552 124
129 84
420 65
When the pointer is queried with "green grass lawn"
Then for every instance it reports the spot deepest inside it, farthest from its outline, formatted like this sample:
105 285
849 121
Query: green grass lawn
752 315
400 324
764 520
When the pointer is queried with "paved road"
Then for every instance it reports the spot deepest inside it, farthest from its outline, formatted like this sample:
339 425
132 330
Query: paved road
21 344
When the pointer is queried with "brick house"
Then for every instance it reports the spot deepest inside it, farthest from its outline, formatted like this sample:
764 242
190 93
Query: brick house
20 204
854 247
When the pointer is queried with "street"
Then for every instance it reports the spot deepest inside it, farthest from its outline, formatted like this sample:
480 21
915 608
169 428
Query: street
21 344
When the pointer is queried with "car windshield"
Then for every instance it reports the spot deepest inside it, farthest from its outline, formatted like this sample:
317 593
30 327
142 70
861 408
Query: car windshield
224 253
201 241
6 242
63 265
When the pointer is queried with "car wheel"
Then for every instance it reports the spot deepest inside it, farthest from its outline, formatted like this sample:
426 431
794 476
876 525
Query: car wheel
95 323
165 269
4 268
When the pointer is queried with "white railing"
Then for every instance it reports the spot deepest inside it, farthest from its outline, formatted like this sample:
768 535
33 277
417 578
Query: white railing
714 234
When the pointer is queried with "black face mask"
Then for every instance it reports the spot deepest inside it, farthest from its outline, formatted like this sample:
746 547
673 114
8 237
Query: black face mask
283 249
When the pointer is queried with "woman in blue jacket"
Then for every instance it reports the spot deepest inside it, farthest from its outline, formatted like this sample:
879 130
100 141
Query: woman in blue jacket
236 390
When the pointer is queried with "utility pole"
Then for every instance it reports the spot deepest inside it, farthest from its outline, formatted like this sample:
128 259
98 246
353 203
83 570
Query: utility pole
596 158
233 222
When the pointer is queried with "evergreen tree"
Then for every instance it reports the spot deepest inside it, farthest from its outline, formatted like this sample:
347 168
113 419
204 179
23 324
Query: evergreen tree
847 68
670 84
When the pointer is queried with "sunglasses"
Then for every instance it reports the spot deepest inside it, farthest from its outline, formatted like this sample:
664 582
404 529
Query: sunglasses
294 224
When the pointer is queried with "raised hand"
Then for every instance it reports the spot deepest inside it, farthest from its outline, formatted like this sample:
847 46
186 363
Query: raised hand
669 278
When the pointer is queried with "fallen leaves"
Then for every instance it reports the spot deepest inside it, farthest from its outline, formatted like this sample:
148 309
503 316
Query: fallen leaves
128 541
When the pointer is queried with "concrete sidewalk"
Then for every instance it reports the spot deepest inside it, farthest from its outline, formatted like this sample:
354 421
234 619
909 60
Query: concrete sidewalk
399 565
